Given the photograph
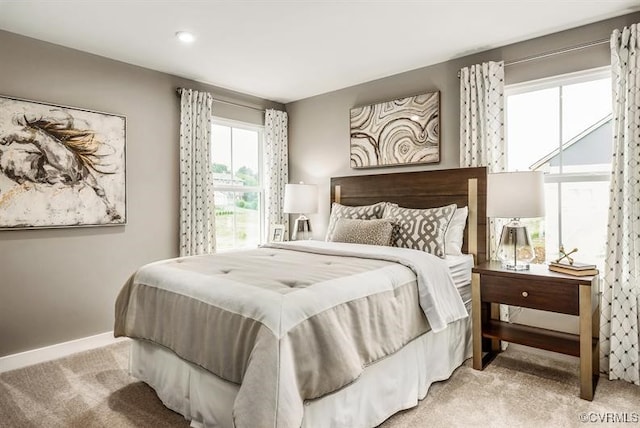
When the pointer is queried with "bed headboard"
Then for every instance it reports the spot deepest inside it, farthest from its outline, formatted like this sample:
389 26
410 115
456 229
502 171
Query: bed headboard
425 189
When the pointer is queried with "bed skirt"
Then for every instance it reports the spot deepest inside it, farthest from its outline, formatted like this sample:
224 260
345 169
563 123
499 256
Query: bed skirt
392 384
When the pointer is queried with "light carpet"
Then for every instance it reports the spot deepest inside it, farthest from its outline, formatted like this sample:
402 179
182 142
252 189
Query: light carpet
519 389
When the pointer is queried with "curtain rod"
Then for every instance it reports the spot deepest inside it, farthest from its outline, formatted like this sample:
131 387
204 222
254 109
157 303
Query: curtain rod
179 92
555 52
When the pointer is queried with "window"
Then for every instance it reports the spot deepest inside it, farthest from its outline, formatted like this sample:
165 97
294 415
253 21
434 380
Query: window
562 126
236 160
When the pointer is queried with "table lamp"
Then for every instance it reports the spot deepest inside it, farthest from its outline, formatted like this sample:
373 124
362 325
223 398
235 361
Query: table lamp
515 195
301 199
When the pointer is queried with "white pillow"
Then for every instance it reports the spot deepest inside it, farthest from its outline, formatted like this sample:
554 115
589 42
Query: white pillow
454 235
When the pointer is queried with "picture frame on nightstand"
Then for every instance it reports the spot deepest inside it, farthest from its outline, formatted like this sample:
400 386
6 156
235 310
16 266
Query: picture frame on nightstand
276 233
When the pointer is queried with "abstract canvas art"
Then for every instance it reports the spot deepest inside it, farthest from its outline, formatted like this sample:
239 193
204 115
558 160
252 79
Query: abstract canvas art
60 166
400 132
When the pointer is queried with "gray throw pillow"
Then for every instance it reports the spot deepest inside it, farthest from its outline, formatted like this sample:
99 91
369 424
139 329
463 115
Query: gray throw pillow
363 212
421 229
370 232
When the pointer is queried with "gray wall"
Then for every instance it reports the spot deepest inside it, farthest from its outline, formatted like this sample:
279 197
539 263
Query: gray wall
319 126
58 285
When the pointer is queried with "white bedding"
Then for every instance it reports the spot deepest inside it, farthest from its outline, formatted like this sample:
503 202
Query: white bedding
187 388
460 268
439 300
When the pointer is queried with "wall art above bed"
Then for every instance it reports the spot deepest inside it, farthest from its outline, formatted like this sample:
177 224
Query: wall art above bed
401 132
60 166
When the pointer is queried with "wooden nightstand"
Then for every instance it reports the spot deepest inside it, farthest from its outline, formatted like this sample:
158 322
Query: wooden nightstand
541 289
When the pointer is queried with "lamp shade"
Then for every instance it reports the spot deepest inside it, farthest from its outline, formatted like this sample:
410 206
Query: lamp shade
301 198
515 194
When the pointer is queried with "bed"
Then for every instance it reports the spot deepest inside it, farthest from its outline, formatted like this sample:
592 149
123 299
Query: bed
393 322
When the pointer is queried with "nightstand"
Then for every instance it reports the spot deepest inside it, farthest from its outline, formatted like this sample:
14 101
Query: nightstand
541 289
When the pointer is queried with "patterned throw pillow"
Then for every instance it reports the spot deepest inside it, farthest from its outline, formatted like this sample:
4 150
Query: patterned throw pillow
371 232
363 212
421 229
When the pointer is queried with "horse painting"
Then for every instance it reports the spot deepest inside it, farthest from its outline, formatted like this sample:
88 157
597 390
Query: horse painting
60 166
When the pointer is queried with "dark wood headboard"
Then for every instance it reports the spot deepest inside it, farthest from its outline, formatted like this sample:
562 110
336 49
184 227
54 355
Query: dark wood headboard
425 189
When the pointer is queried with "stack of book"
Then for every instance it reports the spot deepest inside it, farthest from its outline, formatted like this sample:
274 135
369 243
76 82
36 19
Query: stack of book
576 269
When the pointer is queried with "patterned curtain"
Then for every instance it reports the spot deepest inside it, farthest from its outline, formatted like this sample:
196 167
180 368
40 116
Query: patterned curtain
197 231
482 124
620 304
482 131
482 116
276 162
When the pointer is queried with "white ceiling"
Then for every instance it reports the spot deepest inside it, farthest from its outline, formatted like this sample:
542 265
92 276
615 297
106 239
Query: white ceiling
289 50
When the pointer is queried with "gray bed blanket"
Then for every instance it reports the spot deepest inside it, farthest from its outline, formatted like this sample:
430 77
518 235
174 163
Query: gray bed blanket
288 322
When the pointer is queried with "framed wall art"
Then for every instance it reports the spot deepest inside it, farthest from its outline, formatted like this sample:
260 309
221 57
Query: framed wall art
60 166
405 131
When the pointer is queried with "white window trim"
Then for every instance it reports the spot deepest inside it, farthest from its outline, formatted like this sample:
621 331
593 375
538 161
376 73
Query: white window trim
576 177
561 79
242 189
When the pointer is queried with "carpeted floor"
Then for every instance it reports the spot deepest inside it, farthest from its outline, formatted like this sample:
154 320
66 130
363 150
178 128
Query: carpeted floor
93 389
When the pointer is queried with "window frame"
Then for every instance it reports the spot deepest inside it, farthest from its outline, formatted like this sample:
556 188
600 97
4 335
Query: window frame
259 129
552 82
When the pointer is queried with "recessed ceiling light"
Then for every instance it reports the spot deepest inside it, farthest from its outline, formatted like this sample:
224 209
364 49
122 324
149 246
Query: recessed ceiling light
185 36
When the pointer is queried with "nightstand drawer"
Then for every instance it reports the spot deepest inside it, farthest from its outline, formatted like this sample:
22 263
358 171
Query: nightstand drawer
529 294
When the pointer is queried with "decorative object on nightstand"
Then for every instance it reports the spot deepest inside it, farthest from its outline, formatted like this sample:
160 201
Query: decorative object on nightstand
301 199
565 264
575 269
276 234
515 195
565 255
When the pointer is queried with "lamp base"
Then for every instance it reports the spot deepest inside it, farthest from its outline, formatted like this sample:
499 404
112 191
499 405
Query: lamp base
301 228
515 250
516 266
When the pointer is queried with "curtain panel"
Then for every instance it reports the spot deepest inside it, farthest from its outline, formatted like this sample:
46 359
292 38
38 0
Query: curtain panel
620 317
482 125
197 230
482 131
482 116
276 167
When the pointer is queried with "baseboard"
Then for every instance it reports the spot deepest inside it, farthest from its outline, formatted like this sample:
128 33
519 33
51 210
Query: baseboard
59 350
